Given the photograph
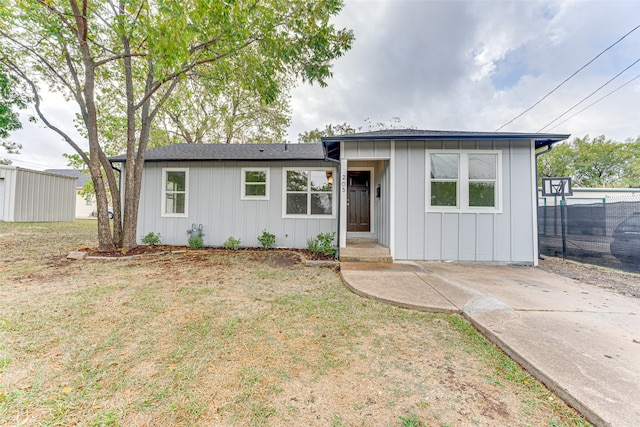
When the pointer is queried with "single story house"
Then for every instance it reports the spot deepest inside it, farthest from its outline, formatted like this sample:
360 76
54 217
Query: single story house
85 207
33 196
426 195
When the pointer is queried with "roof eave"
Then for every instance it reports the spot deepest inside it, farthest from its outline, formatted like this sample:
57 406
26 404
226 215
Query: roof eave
266 159
535 136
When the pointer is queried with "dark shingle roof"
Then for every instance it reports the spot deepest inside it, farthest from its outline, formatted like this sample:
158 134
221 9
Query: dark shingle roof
81 176
263 152
409 134
440 134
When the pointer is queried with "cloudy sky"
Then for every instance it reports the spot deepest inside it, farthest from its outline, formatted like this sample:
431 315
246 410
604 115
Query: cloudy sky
458 65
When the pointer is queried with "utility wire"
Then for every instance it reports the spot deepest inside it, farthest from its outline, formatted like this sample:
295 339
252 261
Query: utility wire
566 80
588 96
31 164
598 100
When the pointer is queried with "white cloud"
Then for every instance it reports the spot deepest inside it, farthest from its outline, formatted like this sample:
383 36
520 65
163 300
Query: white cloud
457 65
463 65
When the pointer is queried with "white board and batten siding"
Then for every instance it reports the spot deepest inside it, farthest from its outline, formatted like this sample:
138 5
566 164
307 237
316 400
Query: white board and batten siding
34 196
506 236
214 200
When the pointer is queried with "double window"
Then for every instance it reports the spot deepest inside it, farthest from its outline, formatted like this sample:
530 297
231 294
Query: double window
175 182
464 180
255 184
308 192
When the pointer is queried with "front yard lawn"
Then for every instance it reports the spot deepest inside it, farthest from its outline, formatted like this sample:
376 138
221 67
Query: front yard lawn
216 339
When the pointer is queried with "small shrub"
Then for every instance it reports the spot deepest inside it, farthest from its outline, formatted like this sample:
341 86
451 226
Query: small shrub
322 244
151 239
231 243
267 240
196 242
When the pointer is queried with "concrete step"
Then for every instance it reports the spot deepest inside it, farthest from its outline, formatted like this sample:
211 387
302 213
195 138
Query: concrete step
365 253
373 259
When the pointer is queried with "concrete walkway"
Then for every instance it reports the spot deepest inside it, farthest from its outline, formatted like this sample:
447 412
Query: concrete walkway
582 341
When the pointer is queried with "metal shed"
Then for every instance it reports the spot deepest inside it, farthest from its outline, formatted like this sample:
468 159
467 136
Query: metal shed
34 196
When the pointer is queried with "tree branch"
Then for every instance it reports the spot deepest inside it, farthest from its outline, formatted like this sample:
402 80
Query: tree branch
59 14
36 98
59 77
190 67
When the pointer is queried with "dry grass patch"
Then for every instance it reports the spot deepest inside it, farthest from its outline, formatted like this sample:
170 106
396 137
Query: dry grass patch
238 339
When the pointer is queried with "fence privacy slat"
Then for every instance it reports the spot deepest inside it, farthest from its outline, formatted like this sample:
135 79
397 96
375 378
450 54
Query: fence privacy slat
590 232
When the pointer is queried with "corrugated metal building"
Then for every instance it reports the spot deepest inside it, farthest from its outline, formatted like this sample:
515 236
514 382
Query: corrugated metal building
34 196
84 208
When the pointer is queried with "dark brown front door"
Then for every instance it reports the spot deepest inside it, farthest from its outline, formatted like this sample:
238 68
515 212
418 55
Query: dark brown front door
358 201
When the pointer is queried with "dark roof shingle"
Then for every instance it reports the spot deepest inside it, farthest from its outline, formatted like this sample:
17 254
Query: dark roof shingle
541 139
81 176
265 152
436 134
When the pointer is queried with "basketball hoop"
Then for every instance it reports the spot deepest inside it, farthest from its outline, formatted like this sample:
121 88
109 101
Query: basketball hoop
556 187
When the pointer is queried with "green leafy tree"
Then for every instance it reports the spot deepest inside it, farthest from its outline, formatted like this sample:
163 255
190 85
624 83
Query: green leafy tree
234 115
123 59
631 174
11 98
314 136
598 162
557 163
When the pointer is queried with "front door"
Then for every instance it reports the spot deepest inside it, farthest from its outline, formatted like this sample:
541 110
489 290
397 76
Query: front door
358 201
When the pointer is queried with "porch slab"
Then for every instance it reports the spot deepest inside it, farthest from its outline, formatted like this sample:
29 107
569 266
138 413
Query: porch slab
396 286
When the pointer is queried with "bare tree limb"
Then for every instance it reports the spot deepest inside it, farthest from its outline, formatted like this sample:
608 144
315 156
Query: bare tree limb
36 97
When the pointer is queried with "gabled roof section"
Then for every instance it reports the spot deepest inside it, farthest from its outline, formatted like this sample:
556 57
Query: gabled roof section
230 152
81 176
541 139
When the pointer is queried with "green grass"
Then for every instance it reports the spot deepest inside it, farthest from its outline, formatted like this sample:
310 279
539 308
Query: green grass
215 339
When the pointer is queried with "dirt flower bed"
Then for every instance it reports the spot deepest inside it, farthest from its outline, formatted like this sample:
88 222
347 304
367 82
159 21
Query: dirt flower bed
155 249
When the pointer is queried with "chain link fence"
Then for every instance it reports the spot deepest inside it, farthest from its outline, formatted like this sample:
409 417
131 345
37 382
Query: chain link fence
606 234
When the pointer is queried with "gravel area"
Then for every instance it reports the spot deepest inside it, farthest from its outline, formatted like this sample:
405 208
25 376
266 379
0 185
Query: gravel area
619 281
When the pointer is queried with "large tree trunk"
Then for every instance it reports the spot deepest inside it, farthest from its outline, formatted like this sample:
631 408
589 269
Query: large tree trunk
105 239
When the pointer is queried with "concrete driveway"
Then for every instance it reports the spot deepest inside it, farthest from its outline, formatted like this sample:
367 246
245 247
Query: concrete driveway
582 341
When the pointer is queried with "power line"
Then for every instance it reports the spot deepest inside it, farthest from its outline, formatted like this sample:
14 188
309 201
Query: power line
598 100
589 96
566 80
14 160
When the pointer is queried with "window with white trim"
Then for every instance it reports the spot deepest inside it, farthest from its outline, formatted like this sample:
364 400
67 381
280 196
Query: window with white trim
175 184
255 184
308 192
463 181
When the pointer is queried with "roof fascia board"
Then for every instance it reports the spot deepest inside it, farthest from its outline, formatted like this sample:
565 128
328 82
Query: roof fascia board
525 137
266 159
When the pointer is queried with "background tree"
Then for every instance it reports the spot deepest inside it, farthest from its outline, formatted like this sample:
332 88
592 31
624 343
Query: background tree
124 59
598 162
11 98
557 163
236 114
314 136
631 174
